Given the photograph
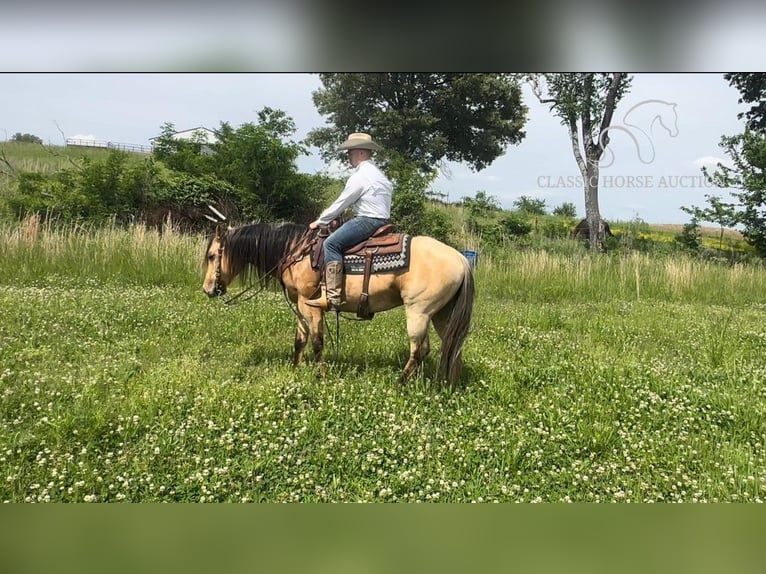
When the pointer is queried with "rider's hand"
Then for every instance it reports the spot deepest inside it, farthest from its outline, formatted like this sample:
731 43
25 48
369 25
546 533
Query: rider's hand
313 225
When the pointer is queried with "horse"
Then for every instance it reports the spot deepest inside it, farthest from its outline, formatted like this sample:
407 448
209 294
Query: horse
436 288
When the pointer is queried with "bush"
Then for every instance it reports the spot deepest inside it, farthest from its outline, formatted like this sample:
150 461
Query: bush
99 190
566 209
26 138
513 224
690 237
530 205
556 228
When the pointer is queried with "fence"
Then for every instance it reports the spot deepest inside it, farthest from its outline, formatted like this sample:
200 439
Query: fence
71 142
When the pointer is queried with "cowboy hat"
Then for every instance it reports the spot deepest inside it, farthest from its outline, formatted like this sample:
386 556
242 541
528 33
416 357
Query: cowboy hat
360 141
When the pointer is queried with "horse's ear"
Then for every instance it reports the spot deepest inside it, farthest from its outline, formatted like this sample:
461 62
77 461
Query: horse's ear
220 231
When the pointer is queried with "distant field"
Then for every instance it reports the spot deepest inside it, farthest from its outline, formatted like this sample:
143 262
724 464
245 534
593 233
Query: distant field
587 378
35 157
44 159
705 230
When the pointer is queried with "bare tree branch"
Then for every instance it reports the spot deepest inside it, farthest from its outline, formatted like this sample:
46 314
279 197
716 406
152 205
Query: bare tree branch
534 83
49 150
606 120
587 137
576 147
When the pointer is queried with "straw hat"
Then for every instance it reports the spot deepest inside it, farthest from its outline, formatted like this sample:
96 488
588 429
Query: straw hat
360 141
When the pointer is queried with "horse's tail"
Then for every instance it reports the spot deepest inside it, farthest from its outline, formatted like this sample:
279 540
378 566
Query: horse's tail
460 309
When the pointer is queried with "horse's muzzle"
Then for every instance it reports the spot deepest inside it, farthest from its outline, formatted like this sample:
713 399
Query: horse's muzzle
217 292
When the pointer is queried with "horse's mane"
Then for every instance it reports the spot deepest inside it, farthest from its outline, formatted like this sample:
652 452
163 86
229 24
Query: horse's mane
258 248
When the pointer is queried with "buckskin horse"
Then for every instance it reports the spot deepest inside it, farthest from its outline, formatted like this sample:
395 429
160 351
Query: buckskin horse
436 286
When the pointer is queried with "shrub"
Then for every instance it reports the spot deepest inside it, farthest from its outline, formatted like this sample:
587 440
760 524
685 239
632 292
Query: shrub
690 237
514 224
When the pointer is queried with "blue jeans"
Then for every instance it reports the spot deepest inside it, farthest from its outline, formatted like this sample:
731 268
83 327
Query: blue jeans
353 231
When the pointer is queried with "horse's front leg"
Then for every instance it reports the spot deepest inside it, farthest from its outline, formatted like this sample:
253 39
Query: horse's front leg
313 321
301 338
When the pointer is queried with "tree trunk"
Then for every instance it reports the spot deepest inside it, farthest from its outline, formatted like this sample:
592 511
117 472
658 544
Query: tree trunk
592 213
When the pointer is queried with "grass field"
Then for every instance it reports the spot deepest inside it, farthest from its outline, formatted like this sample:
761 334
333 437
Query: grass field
587 379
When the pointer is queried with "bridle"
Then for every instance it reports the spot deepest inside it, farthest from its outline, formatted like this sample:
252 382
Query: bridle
217 287
287 261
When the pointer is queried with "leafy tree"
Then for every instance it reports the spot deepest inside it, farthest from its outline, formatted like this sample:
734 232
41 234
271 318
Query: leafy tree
427 118
566 209
481 205
254 165
724 214
748 174
690 237
748 154
26 138
410 210
585 103
514 224
107 188
530 205
752 87
259 160
179 154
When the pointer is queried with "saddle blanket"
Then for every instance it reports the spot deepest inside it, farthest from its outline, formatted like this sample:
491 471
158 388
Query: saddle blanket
354 264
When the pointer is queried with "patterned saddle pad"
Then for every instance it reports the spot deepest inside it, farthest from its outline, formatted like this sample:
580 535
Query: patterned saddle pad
354 264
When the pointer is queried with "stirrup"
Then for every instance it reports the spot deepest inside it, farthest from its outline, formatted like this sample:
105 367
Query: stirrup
320 302
323 303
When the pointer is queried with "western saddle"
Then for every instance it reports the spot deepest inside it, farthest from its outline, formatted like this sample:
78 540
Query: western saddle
383 241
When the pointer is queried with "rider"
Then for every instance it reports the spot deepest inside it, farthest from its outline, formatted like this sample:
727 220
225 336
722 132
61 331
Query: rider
368 192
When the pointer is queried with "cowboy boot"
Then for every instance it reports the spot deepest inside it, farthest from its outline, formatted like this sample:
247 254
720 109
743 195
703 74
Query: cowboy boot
331 297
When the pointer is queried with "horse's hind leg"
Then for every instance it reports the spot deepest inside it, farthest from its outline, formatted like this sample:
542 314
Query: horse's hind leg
417 329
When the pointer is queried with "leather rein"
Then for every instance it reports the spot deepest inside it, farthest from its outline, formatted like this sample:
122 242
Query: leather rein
296 254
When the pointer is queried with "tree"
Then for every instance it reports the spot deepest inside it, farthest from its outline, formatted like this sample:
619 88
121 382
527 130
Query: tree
752 88
748 174
256 161
481 205
179 154
530 205
724 214
426 118
27 138
585 102
748 154
566 209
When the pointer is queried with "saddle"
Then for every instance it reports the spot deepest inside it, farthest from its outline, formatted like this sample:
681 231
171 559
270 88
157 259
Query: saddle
384 241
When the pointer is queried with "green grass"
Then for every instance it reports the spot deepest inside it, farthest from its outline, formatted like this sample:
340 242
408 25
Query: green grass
32 157
120 381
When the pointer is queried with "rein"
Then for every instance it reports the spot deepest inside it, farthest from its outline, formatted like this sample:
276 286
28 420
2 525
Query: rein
287 261
296 254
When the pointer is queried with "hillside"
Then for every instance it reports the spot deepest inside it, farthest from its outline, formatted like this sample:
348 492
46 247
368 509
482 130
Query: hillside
15 157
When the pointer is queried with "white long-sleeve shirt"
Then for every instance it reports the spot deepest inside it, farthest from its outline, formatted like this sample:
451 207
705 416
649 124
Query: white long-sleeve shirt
368 191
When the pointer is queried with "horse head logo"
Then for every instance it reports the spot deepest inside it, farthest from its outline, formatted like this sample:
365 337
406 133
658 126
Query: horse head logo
638 123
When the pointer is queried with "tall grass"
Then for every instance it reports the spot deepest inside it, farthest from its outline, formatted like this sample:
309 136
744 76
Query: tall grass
32 251
36 252
540 275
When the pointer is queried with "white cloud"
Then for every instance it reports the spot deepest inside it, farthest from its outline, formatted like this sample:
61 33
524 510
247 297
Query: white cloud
709 161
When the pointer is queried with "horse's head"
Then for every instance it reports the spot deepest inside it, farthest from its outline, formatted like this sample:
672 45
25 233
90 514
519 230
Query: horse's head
218 274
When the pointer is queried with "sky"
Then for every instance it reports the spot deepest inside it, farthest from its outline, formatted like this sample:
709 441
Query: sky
663 131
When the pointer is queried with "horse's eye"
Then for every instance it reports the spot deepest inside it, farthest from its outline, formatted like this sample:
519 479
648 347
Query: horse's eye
211 256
